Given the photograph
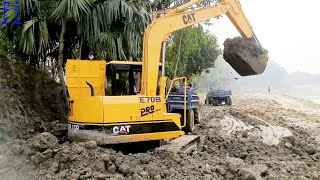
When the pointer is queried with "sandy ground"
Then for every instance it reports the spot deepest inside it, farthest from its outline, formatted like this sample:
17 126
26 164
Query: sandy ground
261 136
301 113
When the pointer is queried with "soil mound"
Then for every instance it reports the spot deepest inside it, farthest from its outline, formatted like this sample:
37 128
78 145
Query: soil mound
31 102
253 139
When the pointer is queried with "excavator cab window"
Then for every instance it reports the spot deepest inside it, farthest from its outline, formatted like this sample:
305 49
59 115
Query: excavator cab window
121 82
123 79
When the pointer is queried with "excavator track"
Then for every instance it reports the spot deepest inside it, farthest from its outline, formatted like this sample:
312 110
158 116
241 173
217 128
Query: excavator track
188 144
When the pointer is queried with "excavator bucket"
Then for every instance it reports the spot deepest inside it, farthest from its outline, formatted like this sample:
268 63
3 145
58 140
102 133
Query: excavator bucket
245 56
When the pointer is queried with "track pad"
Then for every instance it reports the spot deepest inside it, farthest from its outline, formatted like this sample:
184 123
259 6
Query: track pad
245 56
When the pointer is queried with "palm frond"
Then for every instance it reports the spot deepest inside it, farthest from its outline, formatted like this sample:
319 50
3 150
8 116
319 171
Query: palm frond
72 9
28 37
43 37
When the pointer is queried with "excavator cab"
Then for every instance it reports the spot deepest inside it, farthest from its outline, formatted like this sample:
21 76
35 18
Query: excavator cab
106 105
123 78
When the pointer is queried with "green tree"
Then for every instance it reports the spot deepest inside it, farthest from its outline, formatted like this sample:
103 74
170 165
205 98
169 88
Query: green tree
190 51
68 10
107 29
56 30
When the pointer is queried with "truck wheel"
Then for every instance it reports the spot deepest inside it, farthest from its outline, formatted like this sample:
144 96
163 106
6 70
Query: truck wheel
228 101
210 101
190 121
197 119
215 102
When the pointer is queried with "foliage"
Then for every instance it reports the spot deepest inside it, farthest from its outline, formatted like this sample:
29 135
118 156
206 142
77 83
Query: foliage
199 49
114 28
159 5
106 29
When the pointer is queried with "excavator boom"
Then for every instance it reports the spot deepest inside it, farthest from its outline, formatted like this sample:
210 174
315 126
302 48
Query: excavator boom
158 31
105 104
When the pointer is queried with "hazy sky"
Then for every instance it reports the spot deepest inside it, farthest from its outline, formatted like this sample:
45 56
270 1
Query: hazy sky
288 29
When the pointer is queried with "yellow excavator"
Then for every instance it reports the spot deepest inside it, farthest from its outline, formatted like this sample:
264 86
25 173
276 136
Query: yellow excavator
122 101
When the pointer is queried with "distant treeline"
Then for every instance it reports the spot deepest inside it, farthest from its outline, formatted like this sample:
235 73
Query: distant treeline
275 76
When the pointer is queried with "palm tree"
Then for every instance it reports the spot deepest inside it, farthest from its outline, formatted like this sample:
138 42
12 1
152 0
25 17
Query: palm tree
56 30
116 28
32 39
68 10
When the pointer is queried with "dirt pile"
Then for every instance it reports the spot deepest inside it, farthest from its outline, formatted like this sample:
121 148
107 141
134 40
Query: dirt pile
285 150
14 166
233 147
253 139
30 102
245 56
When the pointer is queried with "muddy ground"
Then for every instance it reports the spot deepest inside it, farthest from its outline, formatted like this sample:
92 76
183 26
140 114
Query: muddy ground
30 102
262 136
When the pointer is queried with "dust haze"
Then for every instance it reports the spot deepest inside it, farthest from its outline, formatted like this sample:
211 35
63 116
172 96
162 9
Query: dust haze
298 84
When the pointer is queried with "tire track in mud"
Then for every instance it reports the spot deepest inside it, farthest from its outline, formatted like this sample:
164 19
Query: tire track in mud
231 125
271 135
258 143
235 121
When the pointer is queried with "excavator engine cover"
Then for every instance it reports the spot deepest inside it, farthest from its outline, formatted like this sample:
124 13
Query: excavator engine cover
245 56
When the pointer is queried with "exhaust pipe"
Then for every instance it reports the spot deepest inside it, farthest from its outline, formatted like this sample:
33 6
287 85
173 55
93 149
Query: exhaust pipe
91 88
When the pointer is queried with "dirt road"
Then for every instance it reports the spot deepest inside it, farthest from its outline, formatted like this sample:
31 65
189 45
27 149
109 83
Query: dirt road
261 136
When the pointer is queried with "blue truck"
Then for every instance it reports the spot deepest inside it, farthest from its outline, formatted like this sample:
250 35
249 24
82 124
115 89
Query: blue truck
175 104
217 96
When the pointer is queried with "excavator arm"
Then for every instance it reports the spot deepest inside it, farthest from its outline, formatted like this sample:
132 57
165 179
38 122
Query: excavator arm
175 19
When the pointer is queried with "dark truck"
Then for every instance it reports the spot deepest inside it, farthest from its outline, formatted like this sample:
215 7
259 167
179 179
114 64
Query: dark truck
175 104
217 96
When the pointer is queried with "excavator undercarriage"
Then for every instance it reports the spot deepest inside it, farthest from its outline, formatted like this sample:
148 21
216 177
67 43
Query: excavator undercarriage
188 144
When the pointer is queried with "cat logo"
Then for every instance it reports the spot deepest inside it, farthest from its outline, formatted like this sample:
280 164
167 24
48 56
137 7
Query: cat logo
189 18
121 129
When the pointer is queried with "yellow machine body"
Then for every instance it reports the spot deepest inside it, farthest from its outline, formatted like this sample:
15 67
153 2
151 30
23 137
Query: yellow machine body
120 118
114 119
